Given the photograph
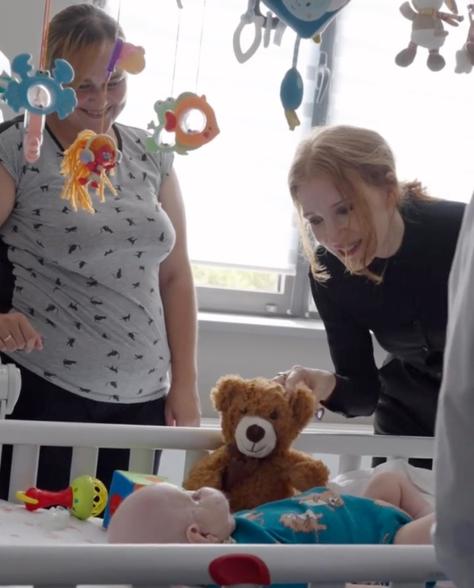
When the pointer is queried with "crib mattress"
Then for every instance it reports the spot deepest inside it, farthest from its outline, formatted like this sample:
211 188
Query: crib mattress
20 526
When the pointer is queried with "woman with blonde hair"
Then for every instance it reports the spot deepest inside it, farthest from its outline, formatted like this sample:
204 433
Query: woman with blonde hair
380 252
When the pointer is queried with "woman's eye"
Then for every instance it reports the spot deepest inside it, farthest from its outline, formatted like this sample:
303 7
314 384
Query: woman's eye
343 210
115 83
315 221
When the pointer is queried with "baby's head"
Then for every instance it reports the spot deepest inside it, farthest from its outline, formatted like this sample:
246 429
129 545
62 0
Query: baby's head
163 513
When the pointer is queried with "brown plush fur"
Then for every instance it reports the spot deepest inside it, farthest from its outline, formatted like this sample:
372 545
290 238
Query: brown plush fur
250 481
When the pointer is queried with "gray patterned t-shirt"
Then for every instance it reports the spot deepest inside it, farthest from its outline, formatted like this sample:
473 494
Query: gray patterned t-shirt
89 283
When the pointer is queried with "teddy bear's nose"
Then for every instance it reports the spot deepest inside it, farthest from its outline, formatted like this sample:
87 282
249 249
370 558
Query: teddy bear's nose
255 433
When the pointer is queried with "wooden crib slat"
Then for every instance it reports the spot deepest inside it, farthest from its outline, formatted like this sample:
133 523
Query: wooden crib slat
24 469
142 460
84 461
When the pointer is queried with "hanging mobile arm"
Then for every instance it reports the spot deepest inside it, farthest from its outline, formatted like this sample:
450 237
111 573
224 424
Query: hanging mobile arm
249 17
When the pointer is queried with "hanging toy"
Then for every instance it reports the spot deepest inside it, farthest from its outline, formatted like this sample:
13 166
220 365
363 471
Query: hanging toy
261 24
39 94
291 91
465 56
128 57
184 124
307 19
85 497
87 163
427 30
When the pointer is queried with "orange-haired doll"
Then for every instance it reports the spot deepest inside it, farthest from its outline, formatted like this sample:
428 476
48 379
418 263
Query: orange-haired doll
87 164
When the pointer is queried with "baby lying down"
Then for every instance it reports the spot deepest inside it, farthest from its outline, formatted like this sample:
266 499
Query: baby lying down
392 510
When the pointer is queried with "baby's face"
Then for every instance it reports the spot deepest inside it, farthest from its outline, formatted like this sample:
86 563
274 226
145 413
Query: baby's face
211 512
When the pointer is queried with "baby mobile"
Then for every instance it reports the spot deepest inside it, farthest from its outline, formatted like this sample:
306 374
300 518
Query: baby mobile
427 31
92 157
307 19
187 122
39 94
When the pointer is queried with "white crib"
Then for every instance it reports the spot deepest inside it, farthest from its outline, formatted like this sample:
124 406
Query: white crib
323 566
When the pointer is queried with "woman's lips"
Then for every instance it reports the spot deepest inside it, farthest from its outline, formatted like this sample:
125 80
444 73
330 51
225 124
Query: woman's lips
350 250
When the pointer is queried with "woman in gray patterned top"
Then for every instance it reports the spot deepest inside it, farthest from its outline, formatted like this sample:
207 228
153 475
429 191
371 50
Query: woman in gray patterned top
101 318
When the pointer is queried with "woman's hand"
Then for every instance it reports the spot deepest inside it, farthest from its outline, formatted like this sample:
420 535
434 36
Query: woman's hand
320 382
18 334
182 407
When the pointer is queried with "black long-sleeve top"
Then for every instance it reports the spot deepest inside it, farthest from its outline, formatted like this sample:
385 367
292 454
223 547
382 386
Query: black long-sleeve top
407 313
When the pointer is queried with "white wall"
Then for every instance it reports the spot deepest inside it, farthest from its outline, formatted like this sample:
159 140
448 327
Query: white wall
260 347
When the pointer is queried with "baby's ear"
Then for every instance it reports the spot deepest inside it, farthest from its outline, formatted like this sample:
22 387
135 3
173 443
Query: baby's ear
194 535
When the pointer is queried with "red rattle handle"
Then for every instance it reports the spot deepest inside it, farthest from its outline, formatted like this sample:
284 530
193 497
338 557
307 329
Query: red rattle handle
35 498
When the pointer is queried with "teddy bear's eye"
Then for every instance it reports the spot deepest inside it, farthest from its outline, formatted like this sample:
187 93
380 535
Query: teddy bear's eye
274 415
243 411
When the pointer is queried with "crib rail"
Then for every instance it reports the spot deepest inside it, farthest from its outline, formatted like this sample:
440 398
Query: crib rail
322 565
326 566
86 438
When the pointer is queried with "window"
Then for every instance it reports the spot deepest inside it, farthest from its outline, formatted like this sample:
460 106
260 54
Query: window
426 116
242 238
241 232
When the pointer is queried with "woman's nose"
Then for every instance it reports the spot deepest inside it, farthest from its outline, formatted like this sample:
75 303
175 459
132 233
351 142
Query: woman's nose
97 95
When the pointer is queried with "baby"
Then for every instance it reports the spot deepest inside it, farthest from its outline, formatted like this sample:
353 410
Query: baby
391 511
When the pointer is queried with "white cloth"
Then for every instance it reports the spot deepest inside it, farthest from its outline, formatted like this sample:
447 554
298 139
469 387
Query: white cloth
356 482
19 526
454 443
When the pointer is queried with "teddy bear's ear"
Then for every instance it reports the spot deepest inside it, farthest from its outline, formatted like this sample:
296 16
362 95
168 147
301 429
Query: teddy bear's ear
303 405
224 390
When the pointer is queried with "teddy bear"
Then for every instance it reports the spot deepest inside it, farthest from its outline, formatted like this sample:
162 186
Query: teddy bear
256 464
427 30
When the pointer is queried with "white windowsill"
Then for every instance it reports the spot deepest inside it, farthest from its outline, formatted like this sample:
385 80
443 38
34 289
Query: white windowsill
259 324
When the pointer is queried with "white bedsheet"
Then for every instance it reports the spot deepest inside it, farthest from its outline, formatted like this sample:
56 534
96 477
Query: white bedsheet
19 526
355 482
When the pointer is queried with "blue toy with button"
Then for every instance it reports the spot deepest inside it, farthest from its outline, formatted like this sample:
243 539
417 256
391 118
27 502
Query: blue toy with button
308 19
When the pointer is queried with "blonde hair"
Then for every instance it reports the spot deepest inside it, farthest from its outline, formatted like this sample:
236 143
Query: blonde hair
349 157
76 33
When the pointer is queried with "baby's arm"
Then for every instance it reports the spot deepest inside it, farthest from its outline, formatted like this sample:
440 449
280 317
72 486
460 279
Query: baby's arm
395 488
